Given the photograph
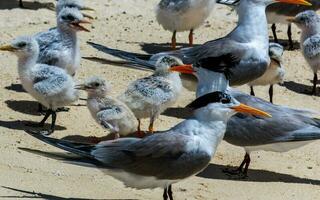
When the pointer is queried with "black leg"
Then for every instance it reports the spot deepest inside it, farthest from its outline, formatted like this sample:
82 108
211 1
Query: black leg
41 124
170 192
252 91
290 37
21 4
247 160
315 80
191 38
271 93
53 122
173 40
273 27
240 171
165 194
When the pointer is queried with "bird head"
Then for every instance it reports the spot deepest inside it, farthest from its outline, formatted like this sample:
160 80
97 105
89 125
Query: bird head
221 106
275 51
78 4
305 19
72 18
165 63
22 46
95 86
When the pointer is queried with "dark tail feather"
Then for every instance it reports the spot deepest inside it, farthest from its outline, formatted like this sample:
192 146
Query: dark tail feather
73 147
133 58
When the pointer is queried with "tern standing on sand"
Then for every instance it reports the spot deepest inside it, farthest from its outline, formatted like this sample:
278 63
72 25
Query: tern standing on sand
150 96
247 45
109 112
60 47
163 159
275 72
183 15
49 85
309 22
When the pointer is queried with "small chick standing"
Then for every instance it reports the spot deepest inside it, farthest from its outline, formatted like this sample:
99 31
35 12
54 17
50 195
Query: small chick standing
110 113
309 23
183 15
148 97
49 85
60 46
274 73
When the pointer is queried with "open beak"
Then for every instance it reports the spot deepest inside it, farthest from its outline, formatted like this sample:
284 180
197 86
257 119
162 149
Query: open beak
80 87
7 48
248 109
87 8
78 26
87 16
184 69
301 2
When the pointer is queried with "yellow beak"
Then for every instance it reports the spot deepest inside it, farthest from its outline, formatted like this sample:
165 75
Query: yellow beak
248 109
301 2
7 48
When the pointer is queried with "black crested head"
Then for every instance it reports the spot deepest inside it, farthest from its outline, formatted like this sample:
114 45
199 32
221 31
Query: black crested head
220 64
214 97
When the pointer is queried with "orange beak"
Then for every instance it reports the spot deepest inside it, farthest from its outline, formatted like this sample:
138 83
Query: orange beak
248 109
300 2
184 69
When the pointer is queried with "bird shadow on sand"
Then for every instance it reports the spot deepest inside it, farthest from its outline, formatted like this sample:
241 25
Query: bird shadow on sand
214 171
22 125
299 87
12 4
35 195
15 87
24 106
285 44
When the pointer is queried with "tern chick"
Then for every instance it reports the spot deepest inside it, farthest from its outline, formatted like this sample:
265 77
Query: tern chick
274 73
309 23
183 15
49 85
60 47
161 160
148 97
109 112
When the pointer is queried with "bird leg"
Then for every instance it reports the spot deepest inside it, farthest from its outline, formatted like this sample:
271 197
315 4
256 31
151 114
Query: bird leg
315 80
173 40
273 27
165 194
21 4
139 132
151 130
191 38
170 192
41 124
240 171
271 93
53 122
290 37
252 91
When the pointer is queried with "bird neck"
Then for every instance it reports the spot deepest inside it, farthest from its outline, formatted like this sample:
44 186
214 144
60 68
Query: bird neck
210 81
309 31
252 23
25 62
67 33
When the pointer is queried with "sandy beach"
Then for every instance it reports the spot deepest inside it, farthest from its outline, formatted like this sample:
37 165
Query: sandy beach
131 25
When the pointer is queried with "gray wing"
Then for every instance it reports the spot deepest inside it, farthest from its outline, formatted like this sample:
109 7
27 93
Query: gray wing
49 80
162 155
174 5
285 125
153 89
109 113
49 47
311 46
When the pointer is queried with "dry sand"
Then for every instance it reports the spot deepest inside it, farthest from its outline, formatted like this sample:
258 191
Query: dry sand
131 25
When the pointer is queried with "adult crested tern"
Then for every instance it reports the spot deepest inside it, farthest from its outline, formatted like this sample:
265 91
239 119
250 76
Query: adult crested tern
49 85
274 73
60 47
109 112
160 160
309 23
247 45
148 97
183 15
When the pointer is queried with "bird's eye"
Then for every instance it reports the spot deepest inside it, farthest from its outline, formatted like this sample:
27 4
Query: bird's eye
68 17
97 84
22 44
225 100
